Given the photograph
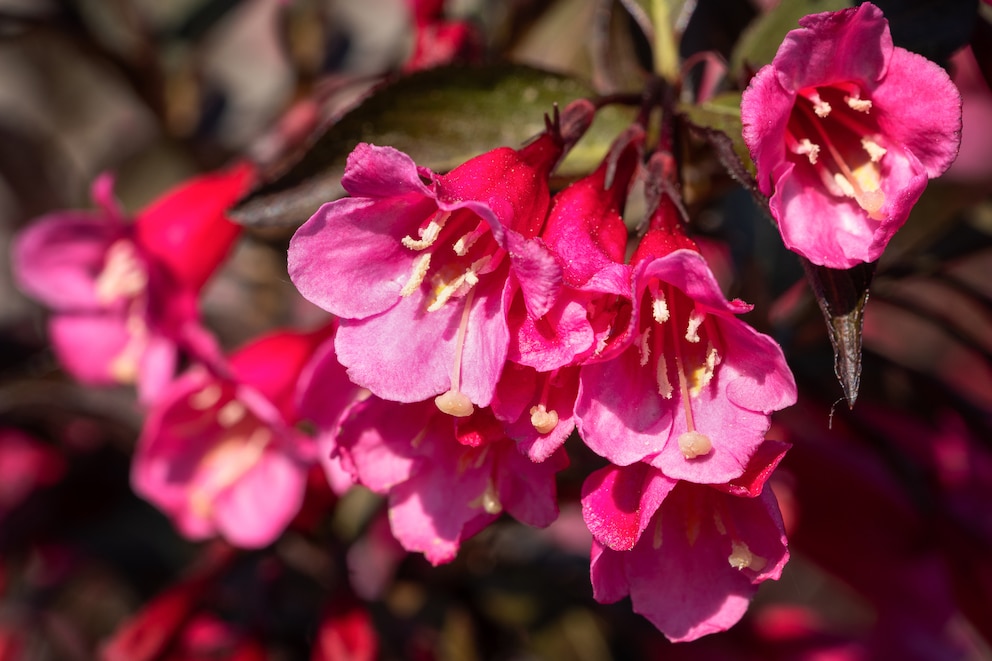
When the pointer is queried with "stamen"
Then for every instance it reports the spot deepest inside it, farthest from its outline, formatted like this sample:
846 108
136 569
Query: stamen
457 286
465 243
231 413
644 346
205 398
543 420
702 375
420 266
659 307
820 107
859 104
718 522
123 275
488 500
741 557
454 402
810 149
429 234
658 532
696 320
661 376
875 150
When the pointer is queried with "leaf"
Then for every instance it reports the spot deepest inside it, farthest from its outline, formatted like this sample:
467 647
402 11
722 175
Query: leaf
440 117
760 41
841 295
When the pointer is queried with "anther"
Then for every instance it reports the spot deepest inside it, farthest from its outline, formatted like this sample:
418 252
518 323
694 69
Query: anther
420 266
696 320
741 557
428 235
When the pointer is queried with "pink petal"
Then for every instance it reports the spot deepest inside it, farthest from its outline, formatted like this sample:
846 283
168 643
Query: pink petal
619 502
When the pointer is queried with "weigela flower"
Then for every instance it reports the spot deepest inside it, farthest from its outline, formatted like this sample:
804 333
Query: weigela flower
446 480
689 556
220 455
123 294
692 387
421 268
845 129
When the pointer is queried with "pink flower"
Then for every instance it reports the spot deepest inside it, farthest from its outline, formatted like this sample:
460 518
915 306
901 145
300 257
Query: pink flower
689 556
845 130
219 455
422 268
124 295
446 480
691 387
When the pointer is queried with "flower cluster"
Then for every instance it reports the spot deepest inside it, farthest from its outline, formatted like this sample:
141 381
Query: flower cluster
479 319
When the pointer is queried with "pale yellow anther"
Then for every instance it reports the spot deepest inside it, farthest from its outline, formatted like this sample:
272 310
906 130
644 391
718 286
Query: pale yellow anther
659 308
420 266
694 444
225 464
455 403
741 557
855 103
703 375
809 149
123 275
661 375
428 235
543 420
696 320
875 150
203 399
465 243
718 522
231 413
644 346
445 290
658 537
488 500
820 107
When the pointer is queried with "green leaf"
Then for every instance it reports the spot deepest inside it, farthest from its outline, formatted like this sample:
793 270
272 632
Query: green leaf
441 118
760 41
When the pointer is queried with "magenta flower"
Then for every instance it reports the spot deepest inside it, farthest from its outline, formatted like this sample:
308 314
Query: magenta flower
446 480
422 268
691 387
220 455
690 556
124 295
845 130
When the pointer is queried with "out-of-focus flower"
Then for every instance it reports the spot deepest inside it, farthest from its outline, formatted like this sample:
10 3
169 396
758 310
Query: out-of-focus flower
345 634
124 295
845 130
220 455
422 268
25 465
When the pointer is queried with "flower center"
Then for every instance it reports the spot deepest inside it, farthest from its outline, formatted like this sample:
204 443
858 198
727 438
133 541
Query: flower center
679 339
831 130
441 276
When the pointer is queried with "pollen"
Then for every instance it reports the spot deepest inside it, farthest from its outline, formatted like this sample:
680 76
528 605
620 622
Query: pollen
205 398
488 500
741 557
420 266
231 413
428 235
644 346
664 385
543 420
465 243
659 308
694 444
703 375
855 103
875 150
696 320
809 149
